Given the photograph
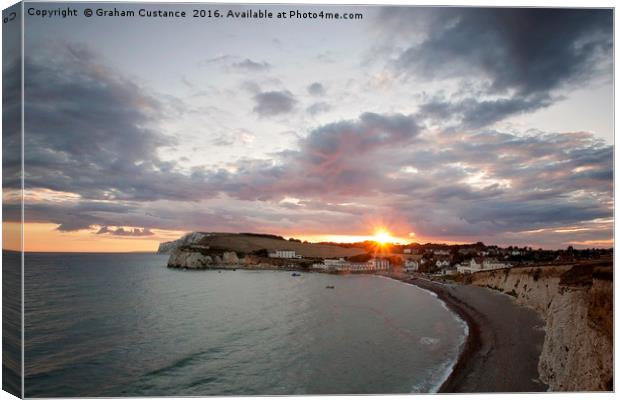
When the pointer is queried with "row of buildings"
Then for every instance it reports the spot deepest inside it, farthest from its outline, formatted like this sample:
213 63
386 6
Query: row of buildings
439 264
480 264
342 265
288 254
476 250
339 264
443 266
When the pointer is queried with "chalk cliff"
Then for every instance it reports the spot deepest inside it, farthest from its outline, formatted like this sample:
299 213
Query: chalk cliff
576 302
188 239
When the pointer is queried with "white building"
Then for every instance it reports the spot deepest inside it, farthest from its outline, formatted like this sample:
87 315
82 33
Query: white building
480 264
411 265
407 251
341 265
442 263
448 270
284 254
492 263
441 252
379 264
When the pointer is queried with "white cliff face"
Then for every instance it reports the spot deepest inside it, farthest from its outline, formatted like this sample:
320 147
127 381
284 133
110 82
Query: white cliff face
578 346
576 355
188 239
191 257
230 257
166 247
188 259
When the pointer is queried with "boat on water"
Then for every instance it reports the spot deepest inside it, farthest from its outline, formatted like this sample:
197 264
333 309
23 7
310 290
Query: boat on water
330 287
295 274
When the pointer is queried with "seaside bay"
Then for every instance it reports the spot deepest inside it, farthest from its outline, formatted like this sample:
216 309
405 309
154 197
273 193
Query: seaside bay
124 324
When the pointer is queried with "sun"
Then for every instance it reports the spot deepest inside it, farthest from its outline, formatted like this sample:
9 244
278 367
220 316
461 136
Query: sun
383 237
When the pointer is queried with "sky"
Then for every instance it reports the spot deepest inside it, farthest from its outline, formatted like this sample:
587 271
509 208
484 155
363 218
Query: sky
448 125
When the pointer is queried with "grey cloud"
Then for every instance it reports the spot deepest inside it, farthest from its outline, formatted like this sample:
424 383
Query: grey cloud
252 66
240 137
337 158
274 103
372 131
522 215
71 215
251 87
530 50
11 120
473 113
318 108
223 140
521 57
489 183
218 59
74 225
91 131
551 180
316 89
120 231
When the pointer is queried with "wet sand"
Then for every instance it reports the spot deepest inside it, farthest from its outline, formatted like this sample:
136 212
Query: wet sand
504 343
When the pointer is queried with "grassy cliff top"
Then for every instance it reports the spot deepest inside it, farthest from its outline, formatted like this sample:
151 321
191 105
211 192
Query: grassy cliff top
246 243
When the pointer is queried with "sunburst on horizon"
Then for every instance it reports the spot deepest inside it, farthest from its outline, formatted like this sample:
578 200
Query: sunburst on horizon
383 237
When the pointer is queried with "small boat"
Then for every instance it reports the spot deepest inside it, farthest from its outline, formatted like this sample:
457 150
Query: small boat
295 274
330 287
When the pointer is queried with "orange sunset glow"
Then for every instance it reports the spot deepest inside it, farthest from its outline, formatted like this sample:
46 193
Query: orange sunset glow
383 237
45 237
345 155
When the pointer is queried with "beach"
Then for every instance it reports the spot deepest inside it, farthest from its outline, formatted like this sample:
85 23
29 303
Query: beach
504 344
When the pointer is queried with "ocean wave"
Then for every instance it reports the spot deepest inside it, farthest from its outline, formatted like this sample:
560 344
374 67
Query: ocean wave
429 341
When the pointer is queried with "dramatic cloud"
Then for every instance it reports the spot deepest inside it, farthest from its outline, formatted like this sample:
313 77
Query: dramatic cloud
252 66
529 50
273 103
335 158
11 120
316 89
91 131
521 55
454 188
416 143
472 113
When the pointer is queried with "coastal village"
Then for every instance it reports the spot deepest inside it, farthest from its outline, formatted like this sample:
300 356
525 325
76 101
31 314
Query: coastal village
568 291
265 251
445 260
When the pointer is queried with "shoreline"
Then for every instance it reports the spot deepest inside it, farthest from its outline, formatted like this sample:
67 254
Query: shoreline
487 353
472 341
504 340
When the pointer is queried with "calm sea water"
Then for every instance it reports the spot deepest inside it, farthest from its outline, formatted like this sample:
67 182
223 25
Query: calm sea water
125 325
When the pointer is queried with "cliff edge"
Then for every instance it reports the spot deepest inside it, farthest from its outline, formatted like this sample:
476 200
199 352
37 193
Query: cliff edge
576 303
185 240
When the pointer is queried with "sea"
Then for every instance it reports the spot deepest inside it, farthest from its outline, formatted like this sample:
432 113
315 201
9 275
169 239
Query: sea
125 325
